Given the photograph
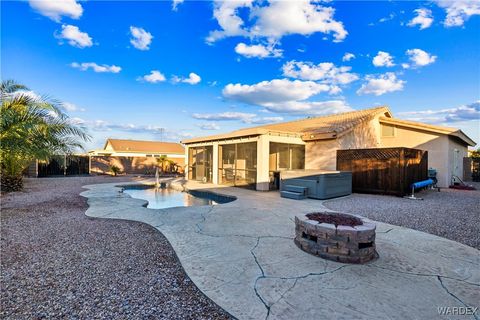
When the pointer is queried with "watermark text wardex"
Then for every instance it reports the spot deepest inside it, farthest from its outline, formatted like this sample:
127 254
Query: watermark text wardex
457 311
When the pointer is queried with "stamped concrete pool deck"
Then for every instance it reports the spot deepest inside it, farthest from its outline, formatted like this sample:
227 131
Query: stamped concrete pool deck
241 255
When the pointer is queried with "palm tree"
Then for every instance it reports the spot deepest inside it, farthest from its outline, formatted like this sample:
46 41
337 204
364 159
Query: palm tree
173 166
162 160
31 127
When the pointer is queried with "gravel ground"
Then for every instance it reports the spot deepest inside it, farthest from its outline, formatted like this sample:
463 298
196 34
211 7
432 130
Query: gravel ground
58 263
452 214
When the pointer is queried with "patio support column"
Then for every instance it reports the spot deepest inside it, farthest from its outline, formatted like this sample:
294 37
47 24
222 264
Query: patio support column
185 171
263 147
215 163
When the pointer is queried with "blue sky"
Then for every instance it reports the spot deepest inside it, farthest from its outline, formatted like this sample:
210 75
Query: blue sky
163 70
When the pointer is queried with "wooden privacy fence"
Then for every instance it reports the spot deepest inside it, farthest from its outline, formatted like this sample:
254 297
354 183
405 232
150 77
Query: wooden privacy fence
384 170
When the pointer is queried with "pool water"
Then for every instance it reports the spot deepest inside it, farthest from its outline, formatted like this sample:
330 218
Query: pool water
160 198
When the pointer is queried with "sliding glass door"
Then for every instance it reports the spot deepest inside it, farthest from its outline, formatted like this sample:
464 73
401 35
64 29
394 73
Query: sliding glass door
200 163
238 164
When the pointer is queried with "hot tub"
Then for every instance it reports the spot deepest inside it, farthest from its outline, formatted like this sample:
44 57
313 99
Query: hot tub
319 184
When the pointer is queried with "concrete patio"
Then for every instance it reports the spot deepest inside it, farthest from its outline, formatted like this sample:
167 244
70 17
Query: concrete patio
242 256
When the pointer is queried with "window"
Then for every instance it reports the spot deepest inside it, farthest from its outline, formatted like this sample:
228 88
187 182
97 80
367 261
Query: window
284 156
388 130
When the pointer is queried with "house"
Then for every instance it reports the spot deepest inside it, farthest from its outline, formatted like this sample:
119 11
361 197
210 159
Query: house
135 156
140 148
253 156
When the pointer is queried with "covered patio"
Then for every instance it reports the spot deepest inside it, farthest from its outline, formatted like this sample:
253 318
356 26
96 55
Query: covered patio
252 160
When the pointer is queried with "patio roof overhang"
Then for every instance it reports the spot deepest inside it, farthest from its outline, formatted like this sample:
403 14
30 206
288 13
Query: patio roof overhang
240 134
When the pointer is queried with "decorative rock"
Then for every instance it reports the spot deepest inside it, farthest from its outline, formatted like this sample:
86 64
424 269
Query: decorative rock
342 243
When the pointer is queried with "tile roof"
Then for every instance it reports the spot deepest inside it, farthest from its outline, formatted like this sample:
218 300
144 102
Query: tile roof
309 128
141 146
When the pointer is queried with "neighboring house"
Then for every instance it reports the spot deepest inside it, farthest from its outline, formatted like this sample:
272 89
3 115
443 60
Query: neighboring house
135 156
253 156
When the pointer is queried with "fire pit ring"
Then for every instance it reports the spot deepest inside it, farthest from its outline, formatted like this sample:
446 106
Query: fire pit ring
336 236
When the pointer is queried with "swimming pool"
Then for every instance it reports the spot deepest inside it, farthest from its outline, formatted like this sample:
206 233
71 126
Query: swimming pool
160 198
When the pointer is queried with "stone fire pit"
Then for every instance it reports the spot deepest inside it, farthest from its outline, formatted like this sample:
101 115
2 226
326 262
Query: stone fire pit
336 236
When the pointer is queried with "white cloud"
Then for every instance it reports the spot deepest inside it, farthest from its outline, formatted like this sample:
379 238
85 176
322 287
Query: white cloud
28 93
74 36
58 8
225 12
423 18
325 72
391 16
77 121
469 112
209 126
296 17
310 107
275 91
154 77
141 39
335 90
263 120
348 56
382 84
175 4
159 132
71 107
258 51
236 116
458 11
275 19
225 116
420 58
383 59
285 96
192 79
95 67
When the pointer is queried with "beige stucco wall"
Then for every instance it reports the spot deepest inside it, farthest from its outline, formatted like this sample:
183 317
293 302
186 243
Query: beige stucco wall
455 167
128 165
109 147
138 154
440 149
322 154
